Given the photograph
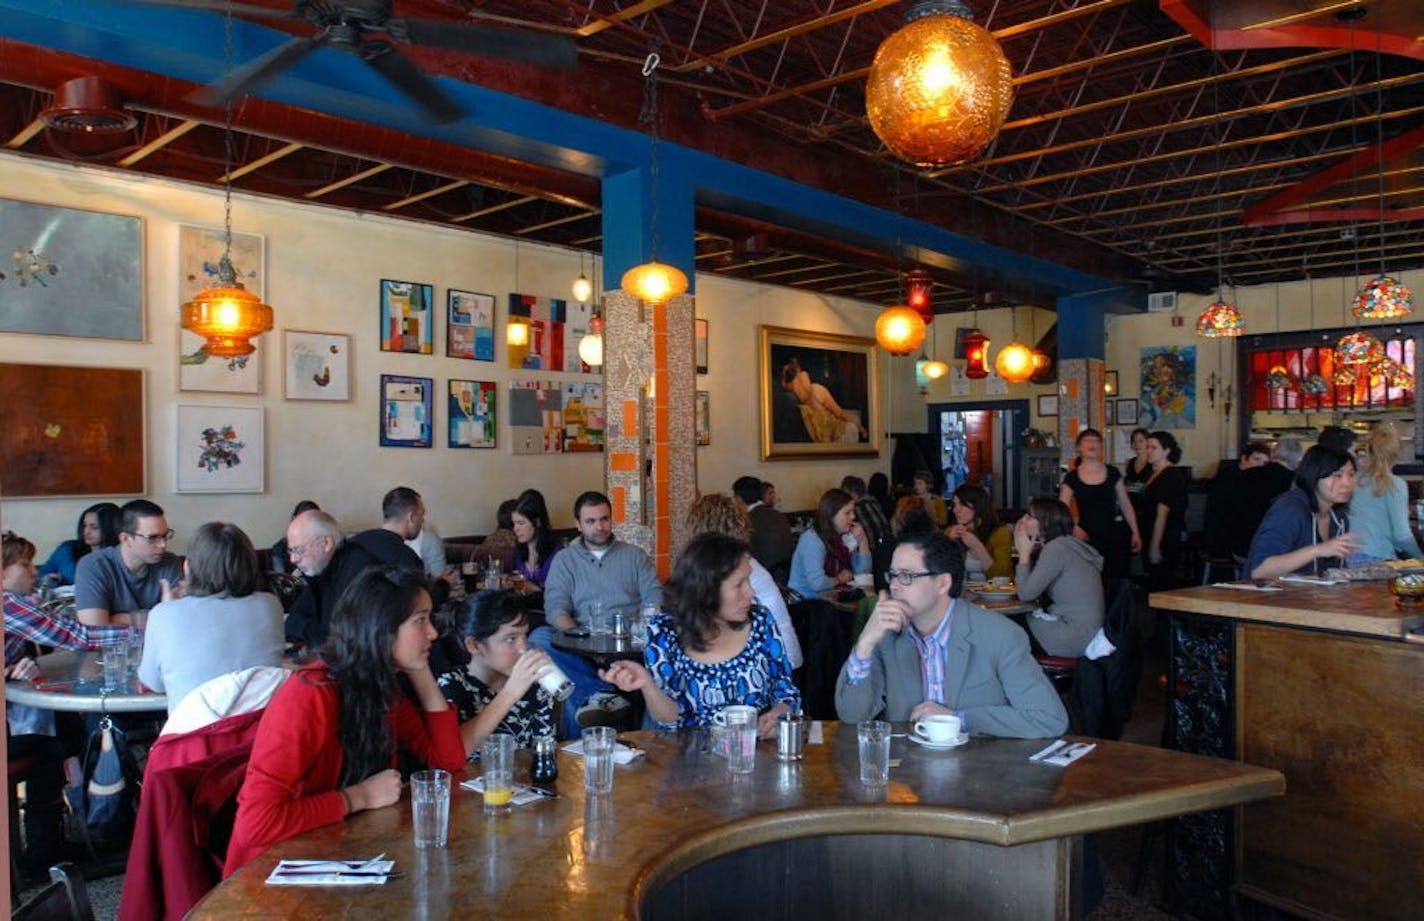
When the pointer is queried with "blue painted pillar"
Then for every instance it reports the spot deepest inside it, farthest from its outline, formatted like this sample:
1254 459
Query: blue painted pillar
1082 341
628 216
1082 324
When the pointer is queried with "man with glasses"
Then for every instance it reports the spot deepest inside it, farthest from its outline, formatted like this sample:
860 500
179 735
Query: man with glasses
926 651
113 583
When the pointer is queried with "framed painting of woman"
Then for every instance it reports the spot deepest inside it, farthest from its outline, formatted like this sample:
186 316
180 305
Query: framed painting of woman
819 395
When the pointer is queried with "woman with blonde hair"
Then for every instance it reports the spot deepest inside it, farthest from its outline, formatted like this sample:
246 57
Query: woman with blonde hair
1379 509
723 514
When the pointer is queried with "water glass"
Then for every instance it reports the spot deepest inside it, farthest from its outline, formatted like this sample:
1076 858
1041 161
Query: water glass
497 762
739 737
493 569
595 618
116 664
874 739
598 748
430 807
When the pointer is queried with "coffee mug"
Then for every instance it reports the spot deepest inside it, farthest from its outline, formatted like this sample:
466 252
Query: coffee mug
942 727
1001 581
738 715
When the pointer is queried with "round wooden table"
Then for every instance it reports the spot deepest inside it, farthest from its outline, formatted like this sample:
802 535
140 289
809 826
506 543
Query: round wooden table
73 682
979 827
602 648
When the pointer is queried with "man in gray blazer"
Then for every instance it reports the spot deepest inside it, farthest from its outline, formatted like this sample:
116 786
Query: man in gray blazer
925 650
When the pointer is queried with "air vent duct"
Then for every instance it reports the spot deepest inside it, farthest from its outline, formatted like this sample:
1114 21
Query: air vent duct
87 105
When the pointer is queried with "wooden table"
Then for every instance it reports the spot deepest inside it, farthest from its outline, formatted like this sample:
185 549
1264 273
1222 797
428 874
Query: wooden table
1317 682
72 682
602 648
978 831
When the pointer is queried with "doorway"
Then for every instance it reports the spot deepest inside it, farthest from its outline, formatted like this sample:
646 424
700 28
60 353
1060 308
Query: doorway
979 443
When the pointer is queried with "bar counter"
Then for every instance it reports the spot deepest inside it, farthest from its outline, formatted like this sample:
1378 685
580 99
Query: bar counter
978 830
1317 682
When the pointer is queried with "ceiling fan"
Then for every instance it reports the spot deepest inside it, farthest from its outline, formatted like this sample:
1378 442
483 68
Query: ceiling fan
346 25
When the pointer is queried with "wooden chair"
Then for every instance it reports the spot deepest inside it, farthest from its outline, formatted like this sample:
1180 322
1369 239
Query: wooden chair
66 898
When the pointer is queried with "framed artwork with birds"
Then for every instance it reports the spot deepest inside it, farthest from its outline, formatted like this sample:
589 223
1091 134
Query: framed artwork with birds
317 366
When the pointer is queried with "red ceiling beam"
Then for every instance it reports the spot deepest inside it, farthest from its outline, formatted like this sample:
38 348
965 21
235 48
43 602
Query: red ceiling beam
1276 209
1396 28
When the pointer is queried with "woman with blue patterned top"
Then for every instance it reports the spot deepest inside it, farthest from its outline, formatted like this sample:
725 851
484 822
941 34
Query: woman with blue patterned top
712 647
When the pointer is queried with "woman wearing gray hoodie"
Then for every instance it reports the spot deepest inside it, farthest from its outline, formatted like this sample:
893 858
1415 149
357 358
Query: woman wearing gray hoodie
1063 573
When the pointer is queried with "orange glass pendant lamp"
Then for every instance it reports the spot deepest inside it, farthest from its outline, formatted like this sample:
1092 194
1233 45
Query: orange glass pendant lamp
940 88
654 283
899 330
227 315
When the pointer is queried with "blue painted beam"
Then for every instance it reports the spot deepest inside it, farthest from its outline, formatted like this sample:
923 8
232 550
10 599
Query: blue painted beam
187 44
629 218
1082 321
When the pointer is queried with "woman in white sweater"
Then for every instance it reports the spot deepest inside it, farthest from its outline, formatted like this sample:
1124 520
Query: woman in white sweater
224 621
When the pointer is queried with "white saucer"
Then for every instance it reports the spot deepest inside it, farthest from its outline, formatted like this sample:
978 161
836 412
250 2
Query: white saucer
991 595
939 746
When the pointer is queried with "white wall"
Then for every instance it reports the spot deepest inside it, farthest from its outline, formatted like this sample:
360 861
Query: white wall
323 271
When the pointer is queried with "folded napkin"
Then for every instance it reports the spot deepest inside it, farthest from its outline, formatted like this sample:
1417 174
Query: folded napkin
523 795
1312 580
816 734
1248 586
1063 753
1099 646
622 754
331 873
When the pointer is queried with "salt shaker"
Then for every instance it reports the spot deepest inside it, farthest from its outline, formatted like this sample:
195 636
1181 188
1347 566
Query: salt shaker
546 764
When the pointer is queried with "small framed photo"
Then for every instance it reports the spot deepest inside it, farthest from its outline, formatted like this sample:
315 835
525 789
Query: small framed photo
699 341
1110 385
1126 412
407 405
316 366
220 449
407 317
469 325
470 411
1048 404
1108 415
704 418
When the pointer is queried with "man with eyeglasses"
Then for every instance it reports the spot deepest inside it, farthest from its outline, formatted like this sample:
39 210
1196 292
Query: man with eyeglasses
115 582
926 651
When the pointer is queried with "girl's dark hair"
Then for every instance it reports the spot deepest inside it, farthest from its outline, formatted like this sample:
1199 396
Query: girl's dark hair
504 515
532 507
1318 463
486 611
1168 443
1054 520
1139 431
878 486
536 501
692 598
107 515
985 521
358 656
1088 433
871 517
832 501
221 561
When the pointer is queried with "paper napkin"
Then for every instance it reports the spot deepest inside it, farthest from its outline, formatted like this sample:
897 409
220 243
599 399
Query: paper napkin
331 873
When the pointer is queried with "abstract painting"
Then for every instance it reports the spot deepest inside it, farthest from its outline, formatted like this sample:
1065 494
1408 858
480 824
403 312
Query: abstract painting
200 250
316 366
470 409
584 418
406 317
1169 387
536 417
220 449
70 272
818 395
469 325
556 326
407 410
72 431
197 370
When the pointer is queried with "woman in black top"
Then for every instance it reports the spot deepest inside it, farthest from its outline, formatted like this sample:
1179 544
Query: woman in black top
1164 505
1106 518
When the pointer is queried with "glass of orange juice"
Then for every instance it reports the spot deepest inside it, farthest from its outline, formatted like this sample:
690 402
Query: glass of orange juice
497 764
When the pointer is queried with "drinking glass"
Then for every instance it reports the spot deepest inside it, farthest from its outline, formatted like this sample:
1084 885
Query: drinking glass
430 807
874 739
116 664
740 737
595 618
497 762
492 573
598 747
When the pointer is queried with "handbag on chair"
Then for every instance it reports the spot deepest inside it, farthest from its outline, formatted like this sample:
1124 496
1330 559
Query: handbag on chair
105 801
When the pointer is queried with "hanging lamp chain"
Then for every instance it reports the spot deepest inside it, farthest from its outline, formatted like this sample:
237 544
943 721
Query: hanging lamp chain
1379 134
227 275
649 117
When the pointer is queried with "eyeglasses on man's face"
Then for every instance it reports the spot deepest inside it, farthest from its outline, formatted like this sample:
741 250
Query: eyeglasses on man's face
299 550
906 576
162 537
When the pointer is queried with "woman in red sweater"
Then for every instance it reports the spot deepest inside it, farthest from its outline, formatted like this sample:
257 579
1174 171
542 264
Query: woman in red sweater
326 747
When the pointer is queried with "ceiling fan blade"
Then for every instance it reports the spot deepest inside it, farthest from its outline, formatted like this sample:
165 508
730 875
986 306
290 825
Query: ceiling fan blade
220 6
540 49
243 80
406 77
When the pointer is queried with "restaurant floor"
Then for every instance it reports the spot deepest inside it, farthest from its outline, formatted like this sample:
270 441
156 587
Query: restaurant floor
1119 850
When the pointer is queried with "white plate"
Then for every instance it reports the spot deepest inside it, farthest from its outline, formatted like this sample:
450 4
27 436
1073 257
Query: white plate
990 595
939 746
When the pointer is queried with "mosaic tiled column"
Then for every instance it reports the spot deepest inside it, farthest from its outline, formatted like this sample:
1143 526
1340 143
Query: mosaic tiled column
651 457
1080 398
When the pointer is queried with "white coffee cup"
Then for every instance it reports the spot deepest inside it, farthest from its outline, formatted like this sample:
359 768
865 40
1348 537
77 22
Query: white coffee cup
1001 581
863 579
736 715
941 727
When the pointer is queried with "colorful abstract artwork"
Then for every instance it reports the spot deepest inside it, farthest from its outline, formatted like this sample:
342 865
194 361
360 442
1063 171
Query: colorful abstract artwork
470 409
406 317
536 417
200 250
407 411
197 370
584 418
317 366
469 325
70 272
556 326
1169 387
72 431
220 449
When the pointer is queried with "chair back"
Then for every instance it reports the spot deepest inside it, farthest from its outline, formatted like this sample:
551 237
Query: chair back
226 695
66 898
1104 689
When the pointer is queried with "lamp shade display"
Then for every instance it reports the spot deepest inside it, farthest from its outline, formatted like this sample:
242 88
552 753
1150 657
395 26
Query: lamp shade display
1220 320
1383 299
1357 348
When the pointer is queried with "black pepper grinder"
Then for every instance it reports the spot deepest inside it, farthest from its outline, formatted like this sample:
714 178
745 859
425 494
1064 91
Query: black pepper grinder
546 765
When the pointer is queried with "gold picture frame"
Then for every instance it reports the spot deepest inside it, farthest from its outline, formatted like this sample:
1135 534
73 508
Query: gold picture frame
820 394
